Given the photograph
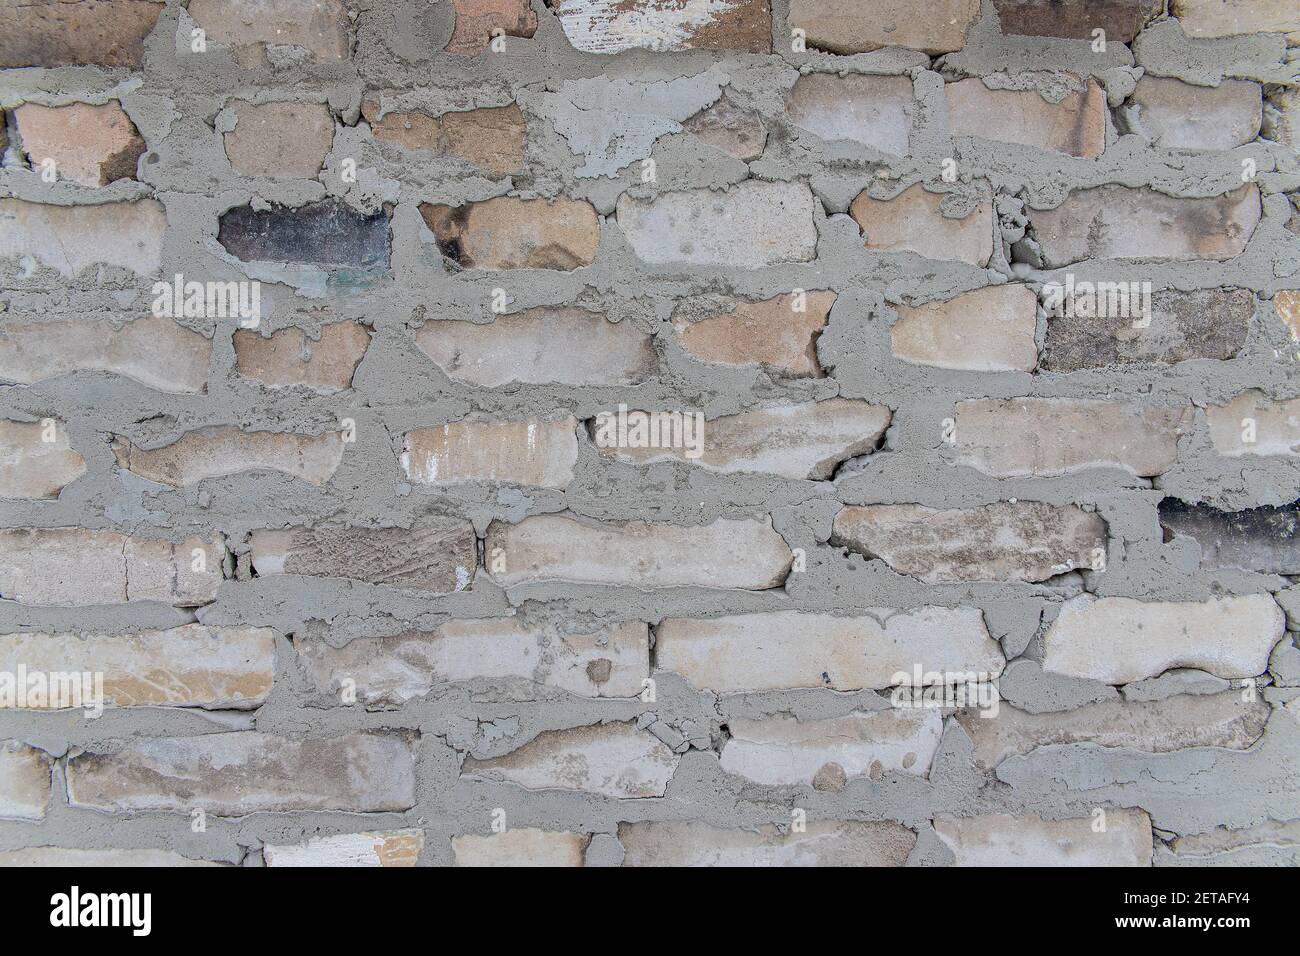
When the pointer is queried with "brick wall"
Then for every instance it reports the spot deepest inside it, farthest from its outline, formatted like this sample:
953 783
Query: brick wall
482 431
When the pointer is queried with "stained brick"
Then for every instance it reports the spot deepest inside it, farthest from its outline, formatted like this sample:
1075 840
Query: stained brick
1257 539
396 848
291 357
1076 19
477 21
91 145
327 233
24 781
71 32
768 333
491 138
1076 125
611 26
511 233
913 221
534 452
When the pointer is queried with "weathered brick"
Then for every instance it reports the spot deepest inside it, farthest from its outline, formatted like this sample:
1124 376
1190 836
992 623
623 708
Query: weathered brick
280 140
51 856
1204 324
1116 222
521 846
611 662
535 452
326 233
850 26
1222 18
73 32
1286 303
1118 640
1075 126
611 26
1049 437
1270 843
780 750
24 781
1254 424
728 553
395 848
613 760
491 138
821 843
79 568
477 21
768 333
32 466
1258 539
291 357
871 110
216 668
91 145
1178 115
249 27
1006 541
914 222
511 233
69 238
439 556
235 774
228 450
1121 20
737 131
749 226
986 330
997 839
1281 123
783 650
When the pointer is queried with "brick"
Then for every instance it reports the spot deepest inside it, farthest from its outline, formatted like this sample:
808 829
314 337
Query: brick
523 658
1204 324
1281 123
478 20
512 233
914 222
729 553
235 774
1120 640
1223 18
1270 843
227 450
782 751
736 130
749 226
280 140
74 32
1049 437
809 440
396 848
540 347
1121 20
534 452
70 238
997 839
786 650
290 356
1286 303
49 856
90 145
769 333
491 138
326 233
871 110
849 26
30 466
1116 222
1157 726
611 760
439 556
1177 115
80 568
215 668
822 843
24 781
319 27
1075 126
1256 539
155 352
612 26
1276 426
986 330
1006 541
521 846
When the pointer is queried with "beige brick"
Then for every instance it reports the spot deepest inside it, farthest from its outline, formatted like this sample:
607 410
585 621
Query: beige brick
821 843
533 452
998 839
737 131
1270 843
216 668
1254 424
24 781
511 233
1119 640
50 856
612 760
871 110
768 333
1049 437
1179 115
70 238
395 848
235 774
1121 20
786 650
31 466
248 26
611 26
90 145
227 450
540 347
1006 541
850 26
913 221
1286 303
280 140
70 32
521 846
79 568
1281 121
1223 18
477 21
491 138
291 357
505 652
729 553
987 330
1075 126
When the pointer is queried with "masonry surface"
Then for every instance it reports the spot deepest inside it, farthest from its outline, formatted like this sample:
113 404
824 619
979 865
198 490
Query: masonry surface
367 584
